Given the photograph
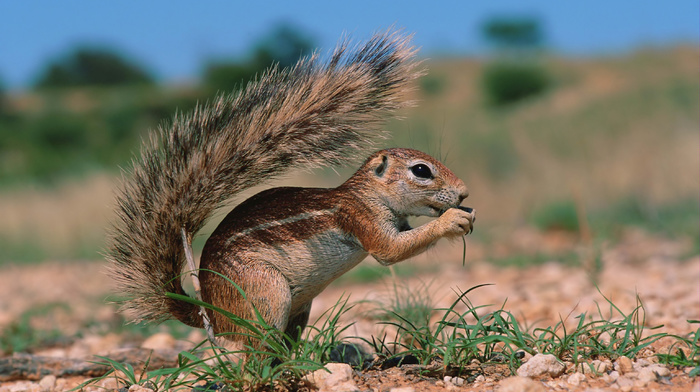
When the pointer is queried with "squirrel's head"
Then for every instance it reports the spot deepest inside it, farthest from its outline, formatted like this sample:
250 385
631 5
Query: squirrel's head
411 182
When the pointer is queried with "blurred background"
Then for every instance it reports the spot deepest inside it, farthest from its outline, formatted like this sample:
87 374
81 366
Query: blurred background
577 119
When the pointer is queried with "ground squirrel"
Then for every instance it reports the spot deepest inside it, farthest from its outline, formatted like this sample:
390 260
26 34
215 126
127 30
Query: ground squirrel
282 246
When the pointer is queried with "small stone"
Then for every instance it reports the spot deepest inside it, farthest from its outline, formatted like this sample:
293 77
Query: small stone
403 389
608 365
601 366
576 379
660 370
439 383
520 384
108 384
625 383
611 377
641 363
447 379
480 378
624 365
47 383
647 375
595 367
339 378
458 381
541 365
61 384
159 341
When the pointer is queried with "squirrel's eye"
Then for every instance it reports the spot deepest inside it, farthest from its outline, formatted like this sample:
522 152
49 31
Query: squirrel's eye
421 171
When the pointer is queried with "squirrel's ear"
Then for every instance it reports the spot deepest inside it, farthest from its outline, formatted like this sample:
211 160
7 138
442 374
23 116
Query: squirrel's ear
381 168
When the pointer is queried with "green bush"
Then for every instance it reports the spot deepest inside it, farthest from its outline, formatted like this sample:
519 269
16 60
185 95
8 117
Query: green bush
559 215
505 83
92 67
432 85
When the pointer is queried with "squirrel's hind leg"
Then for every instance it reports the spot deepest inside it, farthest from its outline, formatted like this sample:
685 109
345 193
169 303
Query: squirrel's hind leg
298 322
265 288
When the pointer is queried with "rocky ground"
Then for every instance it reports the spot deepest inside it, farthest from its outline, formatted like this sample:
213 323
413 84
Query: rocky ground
63 310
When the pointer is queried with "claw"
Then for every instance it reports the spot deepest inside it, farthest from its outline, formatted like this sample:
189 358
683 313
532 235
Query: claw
469 210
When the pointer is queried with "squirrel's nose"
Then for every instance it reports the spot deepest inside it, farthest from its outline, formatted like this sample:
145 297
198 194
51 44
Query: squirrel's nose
463 193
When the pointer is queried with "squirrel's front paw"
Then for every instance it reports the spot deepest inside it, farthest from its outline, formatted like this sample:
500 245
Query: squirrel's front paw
458 221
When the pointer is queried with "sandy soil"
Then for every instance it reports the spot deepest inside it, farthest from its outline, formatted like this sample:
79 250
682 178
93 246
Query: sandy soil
72 298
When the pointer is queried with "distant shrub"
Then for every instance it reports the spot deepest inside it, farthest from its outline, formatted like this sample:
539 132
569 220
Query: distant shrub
505 83
432 84
92 67
676 220
513 33
559 215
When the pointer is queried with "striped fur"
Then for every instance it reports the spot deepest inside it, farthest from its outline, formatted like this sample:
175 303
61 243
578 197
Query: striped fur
313 114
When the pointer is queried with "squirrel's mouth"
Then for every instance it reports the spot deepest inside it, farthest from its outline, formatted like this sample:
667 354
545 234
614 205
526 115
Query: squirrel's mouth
438 210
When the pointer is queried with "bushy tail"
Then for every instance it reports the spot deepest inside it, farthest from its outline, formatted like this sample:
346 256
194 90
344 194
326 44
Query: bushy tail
313 114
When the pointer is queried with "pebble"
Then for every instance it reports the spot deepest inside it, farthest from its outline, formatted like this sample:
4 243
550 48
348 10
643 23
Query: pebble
458 381
576 378
647 375
640 363
540 365
62 384
47 383
661 370
520 384
109 384
611 377
339 379
595 366
139 388
625 383
624 365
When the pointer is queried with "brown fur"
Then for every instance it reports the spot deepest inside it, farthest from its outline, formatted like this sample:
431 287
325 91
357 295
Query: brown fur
311 115
284 245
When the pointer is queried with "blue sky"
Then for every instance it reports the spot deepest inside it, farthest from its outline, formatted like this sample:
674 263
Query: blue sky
174 38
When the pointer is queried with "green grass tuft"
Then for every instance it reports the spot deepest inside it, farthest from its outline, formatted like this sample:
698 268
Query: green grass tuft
448 345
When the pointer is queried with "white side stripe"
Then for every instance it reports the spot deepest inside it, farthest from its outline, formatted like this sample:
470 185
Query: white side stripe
281 222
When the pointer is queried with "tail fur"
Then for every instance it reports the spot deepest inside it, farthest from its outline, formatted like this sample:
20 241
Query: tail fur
313 114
